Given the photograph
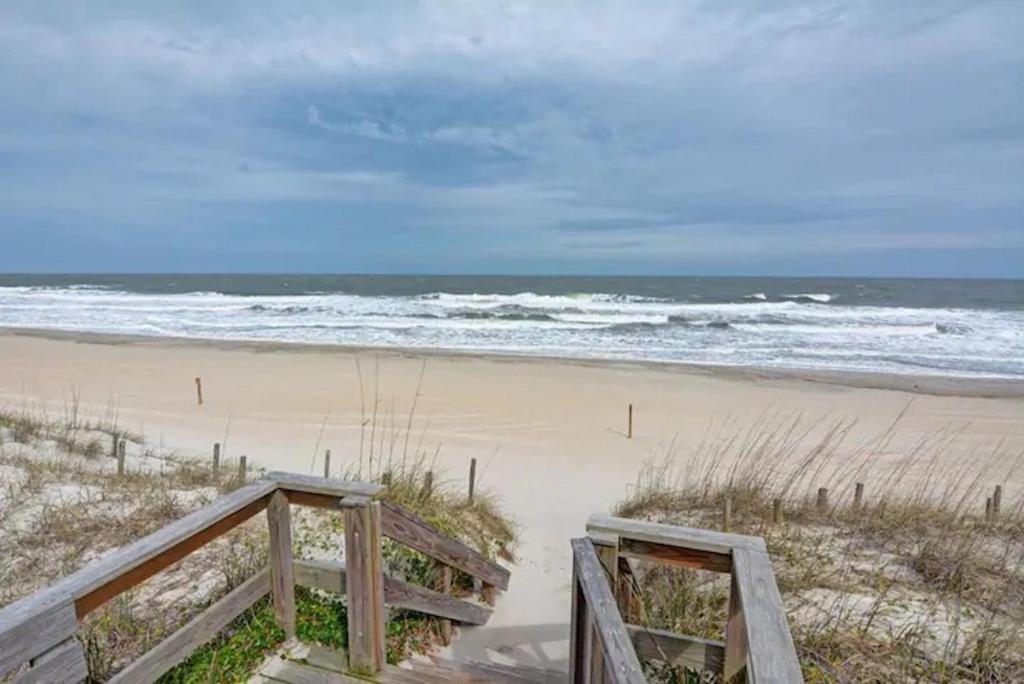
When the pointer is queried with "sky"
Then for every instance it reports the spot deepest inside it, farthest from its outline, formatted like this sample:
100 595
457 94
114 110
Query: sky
805 138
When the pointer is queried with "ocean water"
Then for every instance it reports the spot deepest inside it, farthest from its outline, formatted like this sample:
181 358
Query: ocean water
936 327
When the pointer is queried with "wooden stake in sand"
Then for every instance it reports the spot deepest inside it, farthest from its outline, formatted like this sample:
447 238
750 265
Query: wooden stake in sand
858 495
629 423
822 498
428 485
199 390
327 463
997 500
121 449
241 469
727 515
777 511
216 458
988 509
472 478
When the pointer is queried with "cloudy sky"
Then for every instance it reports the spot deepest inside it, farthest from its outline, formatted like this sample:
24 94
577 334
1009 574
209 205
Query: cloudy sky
845 138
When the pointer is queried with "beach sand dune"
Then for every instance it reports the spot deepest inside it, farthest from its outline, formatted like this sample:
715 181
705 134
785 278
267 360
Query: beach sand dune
548 434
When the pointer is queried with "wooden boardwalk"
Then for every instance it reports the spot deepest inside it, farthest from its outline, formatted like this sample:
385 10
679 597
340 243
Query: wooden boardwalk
311 664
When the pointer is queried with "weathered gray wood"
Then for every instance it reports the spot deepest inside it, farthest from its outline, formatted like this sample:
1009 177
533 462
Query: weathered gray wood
33 625
402 595
696 559
617 653
327 463
822 502
282 579
727 514
735 659
127 559
280 670
322 485
606 529
676 649
771 656
858 494
180 645
329 576
242 461
418 534
365 588
777 511
122 447
997 500
62 663
472 478
216 459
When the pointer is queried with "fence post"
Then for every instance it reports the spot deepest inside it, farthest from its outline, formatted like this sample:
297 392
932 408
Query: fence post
997 500
365 588
727 514
327 463
282 579
629 423
121 449
428 485
858 495
988 509
735 635
472 478
241 470
216 459
822 498
777 511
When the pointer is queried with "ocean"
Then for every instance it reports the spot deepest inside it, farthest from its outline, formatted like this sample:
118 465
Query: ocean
972 328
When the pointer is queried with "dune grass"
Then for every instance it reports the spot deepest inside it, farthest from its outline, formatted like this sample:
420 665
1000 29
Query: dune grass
915 584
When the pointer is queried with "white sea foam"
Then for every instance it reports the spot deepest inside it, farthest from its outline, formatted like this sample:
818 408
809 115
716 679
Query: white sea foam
797 332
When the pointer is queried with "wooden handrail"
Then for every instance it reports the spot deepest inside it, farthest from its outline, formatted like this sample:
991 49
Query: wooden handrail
758 642
600 646
416 533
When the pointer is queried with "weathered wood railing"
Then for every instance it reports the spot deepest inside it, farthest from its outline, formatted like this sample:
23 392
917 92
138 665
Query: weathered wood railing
39 630
758 646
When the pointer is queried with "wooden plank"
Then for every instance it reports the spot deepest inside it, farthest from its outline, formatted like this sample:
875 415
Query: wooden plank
280 670
402 595
444 581
735 663
696 559
397 594
365 589
180 645
327 501
607 529
771 656
416 533
282 577
113 566
63 663
321 485
33 625
676 649
620 662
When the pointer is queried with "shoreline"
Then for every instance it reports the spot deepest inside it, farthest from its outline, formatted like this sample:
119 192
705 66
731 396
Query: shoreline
924 384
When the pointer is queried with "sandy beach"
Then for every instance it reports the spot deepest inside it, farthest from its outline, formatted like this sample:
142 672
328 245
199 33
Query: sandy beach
549 435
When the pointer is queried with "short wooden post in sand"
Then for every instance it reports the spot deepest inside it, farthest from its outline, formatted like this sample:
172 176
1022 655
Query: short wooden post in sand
199 390
114 442
629 423
727 514
216 459
472 478
241 470
997 500
988 508
858 495
327 463
777 511
428 486
121 449
822 499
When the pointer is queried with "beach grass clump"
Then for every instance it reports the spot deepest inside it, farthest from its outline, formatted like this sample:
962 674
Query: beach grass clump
912 582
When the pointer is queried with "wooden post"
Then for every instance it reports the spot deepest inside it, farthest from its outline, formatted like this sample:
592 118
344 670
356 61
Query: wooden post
444 585
629 423
997 500
121 449
727 514
735 636
777 511
327 463
858 495
114 442
199 391
822 498
472 478
216 459
282 579
428 485
988 509
241 470
365 588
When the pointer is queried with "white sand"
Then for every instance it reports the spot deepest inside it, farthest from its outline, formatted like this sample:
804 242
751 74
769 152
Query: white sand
547 433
